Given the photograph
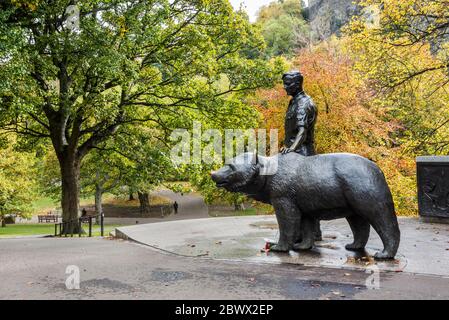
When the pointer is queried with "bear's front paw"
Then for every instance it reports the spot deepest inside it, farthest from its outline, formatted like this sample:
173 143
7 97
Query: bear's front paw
354 247
304 245
383 255
279 248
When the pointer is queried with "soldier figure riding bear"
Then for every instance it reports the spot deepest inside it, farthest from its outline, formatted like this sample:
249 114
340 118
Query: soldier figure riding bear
300 123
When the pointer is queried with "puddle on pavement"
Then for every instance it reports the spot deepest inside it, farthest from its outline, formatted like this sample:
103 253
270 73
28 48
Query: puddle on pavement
329 252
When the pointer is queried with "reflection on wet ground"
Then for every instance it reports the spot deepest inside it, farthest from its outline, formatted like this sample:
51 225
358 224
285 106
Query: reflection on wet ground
422 250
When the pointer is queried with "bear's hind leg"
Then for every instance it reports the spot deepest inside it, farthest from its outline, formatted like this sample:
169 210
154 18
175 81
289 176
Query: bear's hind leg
376 206
360 229
386 225
390 235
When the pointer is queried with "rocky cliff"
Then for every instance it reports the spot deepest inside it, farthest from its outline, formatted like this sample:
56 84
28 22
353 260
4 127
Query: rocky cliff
328 16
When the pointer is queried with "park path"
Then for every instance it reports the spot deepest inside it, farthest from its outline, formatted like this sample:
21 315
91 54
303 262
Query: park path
191 206
114 269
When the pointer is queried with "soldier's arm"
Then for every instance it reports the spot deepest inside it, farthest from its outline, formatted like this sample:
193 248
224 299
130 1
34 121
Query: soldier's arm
302 123
300 138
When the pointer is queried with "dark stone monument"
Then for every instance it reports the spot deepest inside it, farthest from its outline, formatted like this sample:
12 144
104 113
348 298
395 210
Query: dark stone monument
321 187
433 188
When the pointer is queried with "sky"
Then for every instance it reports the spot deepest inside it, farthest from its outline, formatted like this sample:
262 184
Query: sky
252 6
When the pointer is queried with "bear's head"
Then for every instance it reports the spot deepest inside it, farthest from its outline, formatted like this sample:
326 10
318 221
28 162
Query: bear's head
240 174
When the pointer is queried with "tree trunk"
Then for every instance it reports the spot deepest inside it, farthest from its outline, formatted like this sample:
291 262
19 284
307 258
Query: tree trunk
98 202
70 172
239 207
3 222
131 197
144 199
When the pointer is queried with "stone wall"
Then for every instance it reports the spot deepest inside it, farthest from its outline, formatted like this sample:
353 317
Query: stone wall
159 211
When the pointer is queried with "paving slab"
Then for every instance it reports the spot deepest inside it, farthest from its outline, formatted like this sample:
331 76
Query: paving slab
424 247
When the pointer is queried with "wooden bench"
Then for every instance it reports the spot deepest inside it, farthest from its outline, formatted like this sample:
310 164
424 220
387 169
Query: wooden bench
49 217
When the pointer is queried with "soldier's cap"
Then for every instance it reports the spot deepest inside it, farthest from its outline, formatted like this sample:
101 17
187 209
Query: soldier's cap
294 75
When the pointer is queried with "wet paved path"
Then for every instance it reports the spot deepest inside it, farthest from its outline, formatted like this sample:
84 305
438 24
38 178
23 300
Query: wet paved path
115 269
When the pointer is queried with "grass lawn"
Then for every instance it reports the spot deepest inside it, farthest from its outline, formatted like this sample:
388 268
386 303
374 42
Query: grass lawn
46 204
15 230
43 205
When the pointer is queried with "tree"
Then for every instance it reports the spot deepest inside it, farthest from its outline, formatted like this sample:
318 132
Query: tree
405 58
16 181
127 62
101 172
348 117
283 27
200 180
403 28
143 162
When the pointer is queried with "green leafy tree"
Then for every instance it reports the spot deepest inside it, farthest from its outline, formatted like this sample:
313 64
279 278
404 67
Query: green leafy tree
404 56
17 185
127 62
283 27
143 162
101 172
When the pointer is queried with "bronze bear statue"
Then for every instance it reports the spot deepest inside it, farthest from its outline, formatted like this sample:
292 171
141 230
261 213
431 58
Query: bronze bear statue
324 187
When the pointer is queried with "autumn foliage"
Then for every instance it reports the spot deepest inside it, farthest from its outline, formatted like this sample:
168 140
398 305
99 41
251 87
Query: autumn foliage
348 120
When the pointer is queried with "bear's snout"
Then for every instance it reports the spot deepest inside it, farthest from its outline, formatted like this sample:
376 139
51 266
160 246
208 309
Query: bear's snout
218 178
215 176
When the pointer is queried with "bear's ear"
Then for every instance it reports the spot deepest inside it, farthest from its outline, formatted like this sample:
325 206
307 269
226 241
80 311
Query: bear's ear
255 160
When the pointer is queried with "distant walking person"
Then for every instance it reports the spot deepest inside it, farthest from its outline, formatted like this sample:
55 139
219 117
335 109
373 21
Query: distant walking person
175 206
